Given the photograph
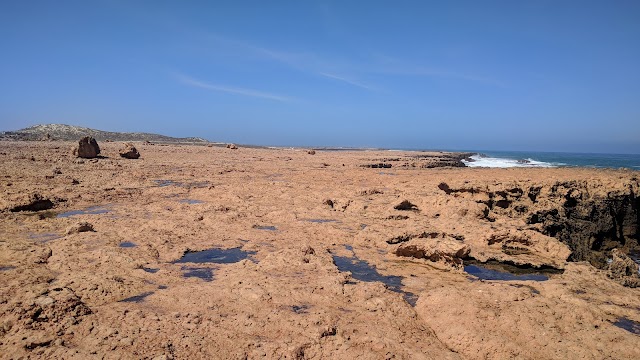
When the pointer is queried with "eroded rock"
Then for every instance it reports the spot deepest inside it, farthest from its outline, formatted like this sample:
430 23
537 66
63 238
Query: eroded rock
129 151
623 269
87 148
80 227
443 250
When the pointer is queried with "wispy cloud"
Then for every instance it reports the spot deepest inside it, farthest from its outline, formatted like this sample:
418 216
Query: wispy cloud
348 81
307 62
392 66
230 90
334 67
432 72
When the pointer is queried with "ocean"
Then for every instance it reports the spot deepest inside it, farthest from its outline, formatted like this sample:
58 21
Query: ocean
504 159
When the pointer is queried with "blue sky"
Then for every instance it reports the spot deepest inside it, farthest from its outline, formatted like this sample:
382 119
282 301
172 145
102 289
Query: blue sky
492 75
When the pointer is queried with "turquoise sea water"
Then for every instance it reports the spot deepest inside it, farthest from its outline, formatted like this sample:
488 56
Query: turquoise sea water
553 159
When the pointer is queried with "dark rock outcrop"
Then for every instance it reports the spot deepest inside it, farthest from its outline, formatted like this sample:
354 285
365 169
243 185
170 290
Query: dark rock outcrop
406 205
377 166
35 203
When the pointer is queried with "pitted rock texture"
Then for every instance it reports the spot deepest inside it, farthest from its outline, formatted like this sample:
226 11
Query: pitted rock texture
82 295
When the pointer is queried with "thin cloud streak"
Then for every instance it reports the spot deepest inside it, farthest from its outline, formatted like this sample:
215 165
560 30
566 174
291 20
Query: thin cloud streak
230 90
348 81
393 66
313 63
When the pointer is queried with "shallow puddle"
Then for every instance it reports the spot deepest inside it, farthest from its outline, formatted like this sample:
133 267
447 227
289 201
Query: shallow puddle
137 298
300 309
163 183
46 214
150 270
635 256
216 255
205 274
191 201
93 210
261 227
127 244
196 184
320 221
7 268
628 324
44 237
485 273
363 271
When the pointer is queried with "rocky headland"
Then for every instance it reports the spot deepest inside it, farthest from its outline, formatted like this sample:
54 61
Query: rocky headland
185 251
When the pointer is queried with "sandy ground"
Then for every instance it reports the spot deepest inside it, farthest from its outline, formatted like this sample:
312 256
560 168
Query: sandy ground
118 292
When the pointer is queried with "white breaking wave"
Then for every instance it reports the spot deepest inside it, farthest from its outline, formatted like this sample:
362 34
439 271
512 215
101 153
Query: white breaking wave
482 161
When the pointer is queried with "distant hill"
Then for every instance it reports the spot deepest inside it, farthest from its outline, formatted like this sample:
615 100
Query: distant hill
70 132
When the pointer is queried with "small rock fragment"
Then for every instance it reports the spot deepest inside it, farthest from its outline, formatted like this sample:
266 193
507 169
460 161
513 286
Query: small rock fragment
406 205
80 227
35 342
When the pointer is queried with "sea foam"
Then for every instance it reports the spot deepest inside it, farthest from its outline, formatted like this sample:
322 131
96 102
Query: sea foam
485 161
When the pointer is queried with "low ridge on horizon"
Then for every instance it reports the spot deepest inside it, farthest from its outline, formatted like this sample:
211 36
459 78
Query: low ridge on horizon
73 132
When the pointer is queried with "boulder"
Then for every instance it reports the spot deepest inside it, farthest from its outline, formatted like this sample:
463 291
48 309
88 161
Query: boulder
87 148
311 152
129 151
232 146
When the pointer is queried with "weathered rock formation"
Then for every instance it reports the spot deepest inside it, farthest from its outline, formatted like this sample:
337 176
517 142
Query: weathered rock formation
590 217
80 227
87 148
445 250
129 151
623 269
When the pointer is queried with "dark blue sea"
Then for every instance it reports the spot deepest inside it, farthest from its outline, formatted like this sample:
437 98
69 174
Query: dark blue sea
553 159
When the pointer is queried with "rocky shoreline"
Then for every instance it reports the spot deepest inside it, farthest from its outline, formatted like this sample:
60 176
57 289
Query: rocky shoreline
307 251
